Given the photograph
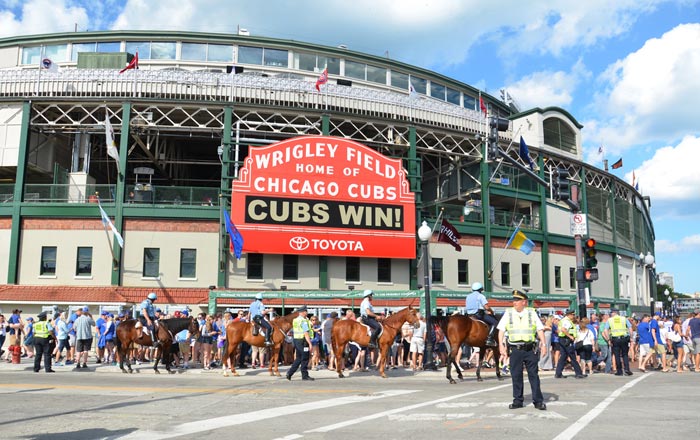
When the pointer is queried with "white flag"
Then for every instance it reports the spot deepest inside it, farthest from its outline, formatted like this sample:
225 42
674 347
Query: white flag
111 145
107 222
49 65
412 91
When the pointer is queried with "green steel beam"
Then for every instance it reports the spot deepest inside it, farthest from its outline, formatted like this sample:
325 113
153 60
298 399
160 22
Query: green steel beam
323 272
613 216
325 124
414 180
18 194
223 199
485 217
544 260
124 141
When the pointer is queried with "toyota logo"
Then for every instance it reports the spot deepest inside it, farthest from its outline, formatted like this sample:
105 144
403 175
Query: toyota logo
299 243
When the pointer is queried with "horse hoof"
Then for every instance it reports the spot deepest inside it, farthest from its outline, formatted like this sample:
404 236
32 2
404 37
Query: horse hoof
341 376
460 377
278 374
225 373
124 371
383 375
453 382
156 371
236 374
500 378
478 379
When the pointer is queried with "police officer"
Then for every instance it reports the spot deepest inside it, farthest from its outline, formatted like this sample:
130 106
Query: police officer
257 312
620 336
524 327
369 317
302 330
43 332
478 305
148 316
567 336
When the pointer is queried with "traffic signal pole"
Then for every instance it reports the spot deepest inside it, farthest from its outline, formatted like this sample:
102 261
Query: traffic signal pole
580 281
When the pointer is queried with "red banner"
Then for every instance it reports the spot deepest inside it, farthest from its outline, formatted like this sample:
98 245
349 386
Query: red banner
320 195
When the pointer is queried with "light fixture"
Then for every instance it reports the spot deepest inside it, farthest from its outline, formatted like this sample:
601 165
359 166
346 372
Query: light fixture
283 287
649 259
666 292
424 234
351 287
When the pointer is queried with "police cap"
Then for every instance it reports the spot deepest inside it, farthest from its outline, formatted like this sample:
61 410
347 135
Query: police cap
517 295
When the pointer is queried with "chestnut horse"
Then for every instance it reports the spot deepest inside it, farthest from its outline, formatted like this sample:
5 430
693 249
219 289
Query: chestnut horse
128 332
460 329
347 330
236 332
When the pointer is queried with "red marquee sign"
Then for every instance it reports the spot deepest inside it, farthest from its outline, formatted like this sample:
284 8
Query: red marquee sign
321 195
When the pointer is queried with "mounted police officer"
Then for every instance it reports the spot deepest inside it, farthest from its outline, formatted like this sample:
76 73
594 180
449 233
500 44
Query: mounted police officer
478 305
257 314
524 327
302 329
369 317
567 336
43 332
148 316
620 336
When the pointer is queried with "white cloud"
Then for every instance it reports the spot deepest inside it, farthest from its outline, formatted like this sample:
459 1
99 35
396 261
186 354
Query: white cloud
547 88
42 16
652 94
687 244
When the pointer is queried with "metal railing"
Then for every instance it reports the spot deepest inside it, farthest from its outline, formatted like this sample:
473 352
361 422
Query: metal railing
68 193
172 195
7 192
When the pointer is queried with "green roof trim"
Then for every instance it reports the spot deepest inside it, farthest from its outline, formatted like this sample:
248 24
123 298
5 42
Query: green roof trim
547 109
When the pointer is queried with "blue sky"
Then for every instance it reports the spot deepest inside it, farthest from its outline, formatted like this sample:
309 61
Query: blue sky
628 70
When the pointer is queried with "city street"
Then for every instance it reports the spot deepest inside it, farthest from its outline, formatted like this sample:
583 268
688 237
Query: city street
104 403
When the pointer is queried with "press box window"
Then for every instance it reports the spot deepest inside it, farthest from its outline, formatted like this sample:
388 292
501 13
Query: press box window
188 263
151 262
462 271
352 269
384 270
255 266
83 267
290 267
48 260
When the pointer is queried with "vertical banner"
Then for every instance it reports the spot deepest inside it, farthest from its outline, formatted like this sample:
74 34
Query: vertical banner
321 195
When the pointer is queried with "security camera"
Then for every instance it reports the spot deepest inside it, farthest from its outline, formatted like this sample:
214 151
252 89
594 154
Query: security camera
619 257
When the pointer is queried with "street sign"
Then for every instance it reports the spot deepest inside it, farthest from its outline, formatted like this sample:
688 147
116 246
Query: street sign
579 224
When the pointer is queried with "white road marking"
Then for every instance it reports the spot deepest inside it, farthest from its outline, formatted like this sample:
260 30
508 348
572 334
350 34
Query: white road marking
563 403
400 410
459 405
254 416
587 418
526 416
428 417
290 437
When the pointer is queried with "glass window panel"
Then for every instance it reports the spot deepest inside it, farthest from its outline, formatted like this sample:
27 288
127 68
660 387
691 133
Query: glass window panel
420 84
151 262
305 61
290 267
255 266
31 55
333 65
143 47
250 55
437 270
463 271
557 277
437 91
220 52
399 80
84 262
276 58
525 269
453 96
352 268
57 53
505 274
572 277
469 102
193 52
81 47
354 70
162 50
384 270
188 263
109 46
376 74
48 260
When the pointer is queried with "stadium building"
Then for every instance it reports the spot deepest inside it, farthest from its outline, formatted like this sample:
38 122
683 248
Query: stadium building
212 124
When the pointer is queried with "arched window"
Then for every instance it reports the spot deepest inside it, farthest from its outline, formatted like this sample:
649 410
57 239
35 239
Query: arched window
559 135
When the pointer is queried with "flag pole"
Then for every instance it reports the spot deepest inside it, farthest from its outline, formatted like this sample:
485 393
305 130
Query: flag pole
432 232
109 242
505 247
38 77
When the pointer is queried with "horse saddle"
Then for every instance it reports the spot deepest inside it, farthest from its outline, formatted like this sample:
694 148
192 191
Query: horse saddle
369 330
258 329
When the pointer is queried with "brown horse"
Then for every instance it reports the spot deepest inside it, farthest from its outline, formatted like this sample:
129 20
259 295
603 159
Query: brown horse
348 330
460 329
236 332
129 333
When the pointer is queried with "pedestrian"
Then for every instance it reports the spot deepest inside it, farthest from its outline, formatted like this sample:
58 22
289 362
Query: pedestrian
585 338
677 343
567 335
43 333
545 362
301 327
418 343
83 335
659 342
603 342
620 336
524 329
61 329
694 333
326 330
4 328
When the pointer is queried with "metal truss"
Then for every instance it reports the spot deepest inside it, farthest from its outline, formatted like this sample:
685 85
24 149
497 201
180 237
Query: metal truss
597 180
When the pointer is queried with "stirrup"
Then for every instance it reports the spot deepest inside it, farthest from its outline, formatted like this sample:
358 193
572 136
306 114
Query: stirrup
268 343
490 343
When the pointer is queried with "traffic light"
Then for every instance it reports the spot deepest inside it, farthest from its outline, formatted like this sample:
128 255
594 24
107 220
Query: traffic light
560 184
590 273
496 124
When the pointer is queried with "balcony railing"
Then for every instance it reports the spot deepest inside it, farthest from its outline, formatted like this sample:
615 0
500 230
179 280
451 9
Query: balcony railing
172 195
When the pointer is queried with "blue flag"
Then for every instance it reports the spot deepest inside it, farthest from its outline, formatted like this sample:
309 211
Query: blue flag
525 153
520 241
236 244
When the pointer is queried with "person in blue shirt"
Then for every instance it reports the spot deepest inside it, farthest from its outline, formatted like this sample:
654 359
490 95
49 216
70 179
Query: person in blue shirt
477 306
646 342
148 315
369 317
257 314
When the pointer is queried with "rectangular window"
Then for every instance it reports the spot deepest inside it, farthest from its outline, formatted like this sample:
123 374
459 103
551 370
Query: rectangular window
188 263
81 47
352 269
333 65
420 84
255 266
557 277
354 70
437 91
58 53
31 55
109 46
250 55
162 50
306 61
48 260
572 277
505 274
193 52
437 270
462 271
143 48
525 268
276 58
399 80
384 270
222 53
83 266
469 102
290 267
376 74
151 262
453 96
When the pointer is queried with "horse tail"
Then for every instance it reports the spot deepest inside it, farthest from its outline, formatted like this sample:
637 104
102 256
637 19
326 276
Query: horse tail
440 321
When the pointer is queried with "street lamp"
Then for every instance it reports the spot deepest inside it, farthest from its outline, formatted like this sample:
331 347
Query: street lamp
648 261
424 234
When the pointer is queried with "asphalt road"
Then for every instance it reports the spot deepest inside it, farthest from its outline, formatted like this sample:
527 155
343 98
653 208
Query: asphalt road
102 403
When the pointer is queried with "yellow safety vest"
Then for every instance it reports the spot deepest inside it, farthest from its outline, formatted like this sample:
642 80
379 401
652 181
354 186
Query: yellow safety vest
573 331
521 330
298 330
41 329
618 326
